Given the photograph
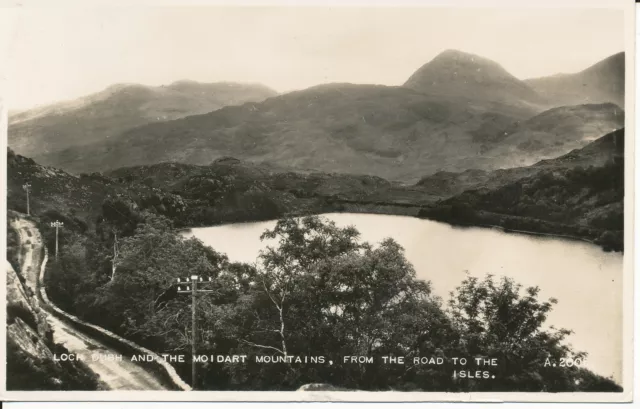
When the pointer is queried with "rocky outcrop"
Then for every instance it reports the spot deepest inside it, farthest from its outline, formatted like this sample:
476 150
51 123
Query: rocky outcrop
30 349
26 322
18 295
28 340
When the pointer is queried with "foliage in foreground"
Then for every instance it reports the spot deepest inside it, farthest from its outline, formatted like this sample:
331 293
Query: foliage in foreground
315 290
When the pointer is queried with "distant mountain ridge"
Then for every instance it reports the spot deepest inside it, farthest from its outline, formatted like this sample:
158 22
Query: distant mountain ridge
599 83
120 107
459 111
391 132
394 133
217 94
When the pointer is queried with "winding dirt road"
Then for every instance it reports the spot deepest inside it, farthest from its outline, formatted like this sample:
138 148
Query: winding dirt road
116 375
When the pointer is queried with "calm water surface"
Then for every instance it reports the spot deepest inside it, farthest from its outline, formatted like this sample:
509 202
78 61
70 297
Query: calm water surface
586 281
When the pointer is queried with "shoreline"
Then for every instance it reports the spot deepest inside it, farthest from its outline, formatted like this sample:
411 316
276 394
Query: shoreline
418 216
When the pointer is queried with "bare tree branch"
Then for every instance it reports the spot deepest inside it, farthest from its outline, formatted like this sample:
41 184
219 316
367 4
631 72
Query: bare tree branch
262 346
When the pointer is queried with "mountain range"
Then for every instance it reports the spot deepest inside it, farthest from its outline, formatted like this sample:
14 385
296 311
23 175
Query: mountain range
457 112
106 114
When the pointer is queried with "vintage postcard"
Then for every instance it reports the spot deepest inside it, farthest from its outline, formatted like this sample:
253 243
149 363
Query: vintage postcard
418 201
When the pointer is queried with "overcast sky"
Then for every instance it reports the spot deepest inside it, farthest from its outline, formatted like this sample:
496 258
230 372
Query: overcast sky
58 54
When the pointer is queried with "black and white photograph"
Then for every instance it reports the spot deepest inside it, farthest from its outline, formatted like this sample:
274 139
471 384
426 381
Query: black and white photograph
354 202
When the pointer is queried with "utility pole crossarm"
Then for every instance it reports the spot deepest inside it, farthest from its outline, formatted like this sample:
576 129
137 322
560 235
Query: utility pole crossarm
57 224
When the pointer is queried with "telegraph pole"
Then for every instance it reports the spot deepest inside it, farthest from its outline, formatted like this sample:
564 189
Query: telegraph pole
57 224
27 188
194 328
191 286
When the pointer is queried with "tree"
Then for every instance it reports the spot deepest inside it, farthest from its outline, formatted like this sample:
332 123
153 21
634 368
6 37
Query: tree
322 291
373 305
302 243
497 319
317 290
69 276
115 259
120 213
150 261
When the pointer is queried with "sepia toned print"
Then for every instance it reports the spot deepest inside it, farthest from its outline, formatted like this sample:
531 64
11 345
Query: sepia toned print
367 202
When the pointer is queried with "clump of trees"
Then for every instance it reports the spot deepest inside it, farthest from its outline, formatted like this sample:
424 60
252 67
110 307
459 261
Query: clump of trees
315 290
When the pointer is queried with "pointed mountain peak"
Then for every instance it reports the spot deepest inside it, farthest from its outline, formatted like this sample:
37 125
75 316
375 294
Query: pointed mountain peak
458 72
451 65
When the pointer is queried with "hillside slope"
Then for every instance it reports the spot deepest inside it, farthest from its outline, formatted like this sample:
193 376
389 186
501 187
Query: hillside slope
118 108
553 132
579 194
603 82
603 150
391 132
53 189
226 190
